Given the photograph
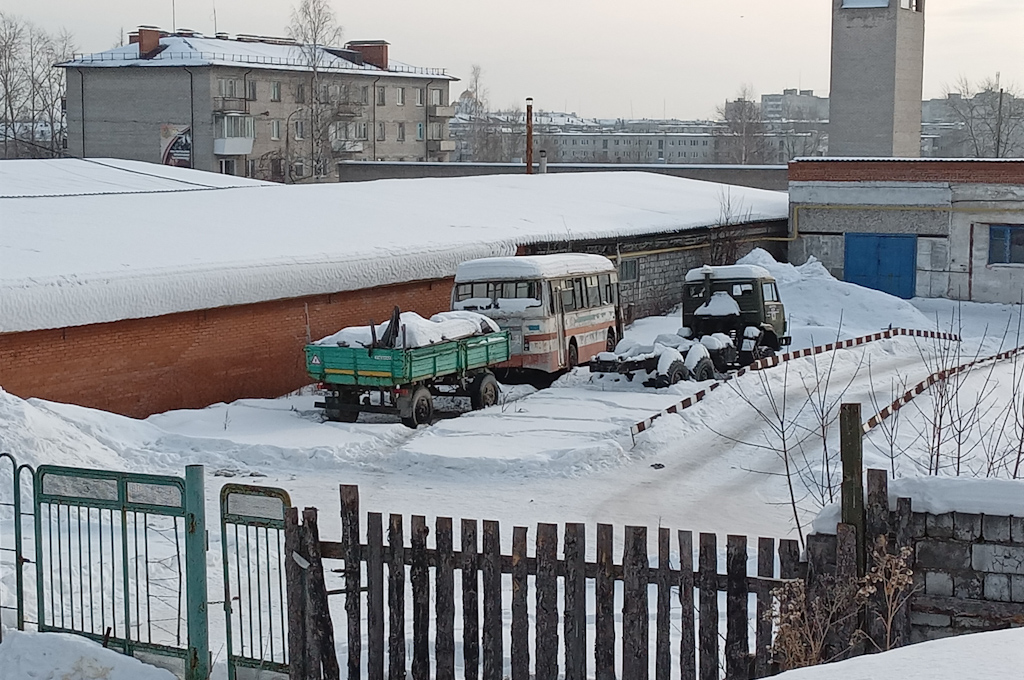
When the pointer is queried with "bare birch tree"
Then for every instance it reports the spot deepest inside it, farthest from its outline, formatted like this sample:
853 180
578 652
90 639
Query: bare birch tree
991 118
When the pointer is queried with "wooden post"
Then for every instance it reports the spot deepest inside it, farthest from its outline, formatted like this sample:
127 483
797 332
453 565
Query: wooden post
444 578
520 607
687 642
901 624
492 637
851 434
470 600
295 579
708 564
737 645
847 544
663 625
375 596
635 617
319 627
789 559
547 602
396 599
350 536
575 602
604 594
763 625
419 579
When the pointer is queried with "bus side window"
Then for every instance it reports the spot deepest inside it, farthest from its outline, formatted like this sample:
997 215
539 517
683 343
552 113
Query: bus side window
581 294
593 291
568 298
605 283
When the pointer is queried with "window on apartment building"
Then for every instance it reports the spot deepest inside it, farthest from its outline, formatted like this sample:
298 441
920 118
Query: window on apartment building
401 132
325 94
336 131
234 126
382 132
661 144
275 129
419 132
1006 244
300 129
382 98
229 87
419 96
227 166
250 168
300 94
400 96
299 168
277 169
604 143
250 90
436 130
435 98
364 94
275 91
360 131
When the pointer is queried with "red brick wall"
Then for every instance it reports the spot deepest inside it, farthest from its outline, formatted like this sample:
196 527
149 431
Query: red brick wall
139 367
969 172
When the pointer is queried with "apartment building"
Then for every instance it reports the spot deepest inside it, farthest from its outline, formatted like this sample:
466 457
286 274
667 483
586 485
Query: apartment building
267 108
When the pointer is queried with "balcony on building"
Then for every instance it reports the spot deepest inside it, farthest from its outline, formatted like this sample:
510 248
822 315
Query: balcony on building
441 111
441 145
230 105
234 135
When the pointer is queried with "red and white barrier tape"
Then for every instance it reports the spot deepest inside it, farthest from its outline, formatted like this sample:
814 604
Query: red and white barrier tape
771 362
920 387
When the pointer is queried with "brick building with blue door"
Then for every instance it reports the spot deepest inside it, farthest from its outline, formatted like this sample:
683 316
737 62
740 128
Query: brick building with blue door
913 227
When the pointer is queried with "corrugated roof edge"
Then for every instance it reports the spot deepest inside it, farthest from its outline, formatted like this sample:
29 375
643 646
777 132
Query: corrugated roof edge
867 159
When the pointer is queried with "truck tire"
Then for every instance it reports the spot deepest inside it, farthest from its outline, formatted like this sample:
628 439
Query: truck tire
704 370
343 416
484 391
677 372
422 408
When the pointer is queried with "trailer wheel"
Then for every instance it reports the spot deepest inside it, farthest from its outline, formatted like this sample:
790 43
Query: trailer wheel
339 416
704 370
422 409
677 372
484 391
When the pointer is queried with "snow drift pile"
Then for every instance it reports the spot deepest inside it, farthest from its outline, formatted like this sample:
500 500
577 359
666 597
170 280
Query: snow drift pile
60 656
415 331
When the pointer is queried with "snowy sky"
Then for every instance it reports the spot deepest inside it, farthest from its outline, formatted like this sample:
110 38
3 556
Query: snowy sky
644 58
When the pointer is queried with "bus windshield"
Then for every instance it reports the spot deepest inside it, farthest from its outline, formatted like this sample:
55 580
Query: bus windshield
508 295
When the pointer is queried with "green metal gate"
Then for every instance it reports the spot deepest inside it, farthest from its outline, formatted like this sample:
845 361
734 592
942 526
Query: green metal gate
255 599
14 565
121 559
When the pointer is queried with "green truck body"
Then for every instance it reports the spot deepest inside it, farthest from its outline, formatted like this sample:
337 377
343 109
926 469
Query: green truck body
386 368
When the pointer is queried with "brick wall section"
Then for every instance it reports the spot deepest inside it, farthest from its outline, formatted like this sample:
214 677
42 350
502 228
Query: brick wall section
138 367
968 172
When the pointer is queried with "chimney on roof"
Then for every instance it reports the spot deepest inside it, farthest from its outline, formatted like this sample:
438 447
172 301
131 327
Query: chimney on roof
148 39
375 52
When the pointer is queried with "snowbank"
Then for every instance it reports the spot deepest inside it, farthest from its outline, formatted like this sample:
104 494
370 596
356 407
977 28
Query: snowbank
820 307
999 654
939 495
60 656
415 331
65 262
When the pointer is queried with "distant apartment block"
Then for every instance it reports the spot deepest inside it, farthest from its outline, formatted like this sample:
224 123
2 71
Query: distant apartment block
246 105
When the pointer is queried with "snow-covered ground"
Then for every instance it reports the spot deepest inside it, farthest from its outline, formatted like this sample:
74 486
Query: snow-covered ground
57 656
565 453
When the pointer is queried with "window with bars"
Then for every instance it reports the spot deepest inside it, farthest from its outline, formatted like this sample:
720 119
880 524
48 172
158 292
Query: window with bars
1006 244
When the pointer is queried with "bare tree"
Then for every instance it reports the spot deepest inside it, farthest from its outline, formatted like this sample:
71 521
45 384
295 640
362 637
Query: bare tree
314 26
13 81
742 139
723 238
484 135
991 118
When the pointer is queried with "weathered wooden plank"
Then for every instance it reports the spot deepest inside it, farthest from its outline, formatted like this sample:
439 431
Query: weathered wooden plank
575 602
444 579
319 627
901 623
419 578
877 509
763 625
708 584
688 641
846 571
520 607
295 587
851 445
789 559
663 627
737 645
375 596
470 600
492 625
547 602
635 616
396 599
351 537
604 590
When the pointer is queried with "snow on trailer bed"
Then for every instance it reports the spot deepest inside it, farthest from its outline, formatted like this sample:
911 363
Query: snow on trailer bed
415 330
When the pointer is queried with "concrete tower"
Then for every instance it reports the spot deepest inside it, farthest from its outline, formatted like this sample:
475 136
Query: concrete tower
877 73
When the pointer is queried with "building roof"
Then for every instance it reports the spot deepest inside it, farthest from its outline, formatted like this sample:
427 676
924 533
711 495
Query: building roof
201 51
81 177
532 267
71 260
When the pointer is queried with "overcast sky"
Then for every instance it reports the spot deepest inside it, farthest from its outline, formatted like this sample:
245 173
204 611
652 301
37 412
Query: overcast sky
645 58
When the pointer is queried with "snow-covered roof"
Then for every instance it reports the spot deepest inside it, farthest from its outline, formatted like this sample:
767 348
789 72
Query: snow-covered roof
76 260
532 267
202 51
78 177
889 159
732 271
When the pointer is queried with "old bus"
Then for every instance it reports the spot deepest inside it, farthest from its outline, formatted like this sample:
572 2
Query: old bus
561 310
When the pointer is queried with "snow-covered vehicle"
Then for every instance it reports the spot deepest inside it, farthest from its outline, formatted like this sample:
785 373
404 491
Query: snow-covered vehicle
732 316
398 367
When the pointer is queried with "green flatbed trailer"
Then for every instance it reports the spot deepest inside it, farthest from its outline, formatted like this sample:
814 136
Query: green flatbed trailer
406 380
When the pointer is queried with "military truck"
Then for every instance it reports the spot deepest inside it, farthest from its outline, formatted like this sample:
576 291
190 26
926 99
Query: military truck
732 316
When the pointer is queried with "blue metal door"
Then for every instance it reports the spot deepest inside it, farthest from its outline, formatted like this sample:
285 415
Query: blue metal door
885 262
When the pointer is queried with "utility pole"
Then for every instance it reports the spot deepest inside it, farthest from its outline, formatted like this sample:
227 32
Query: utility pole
529 135
999 123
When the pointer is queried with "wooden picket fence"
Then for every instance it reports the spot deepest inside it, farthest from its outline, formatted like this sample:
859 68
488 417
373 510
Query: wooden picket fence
481 566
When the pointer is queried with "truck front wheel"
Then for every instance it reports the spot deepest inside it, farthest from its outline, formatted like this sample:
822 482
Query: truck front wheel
484 391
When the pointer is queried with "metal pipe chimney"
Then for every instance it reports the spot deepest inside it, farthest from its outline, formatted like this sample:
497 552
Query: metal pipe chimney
529 135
